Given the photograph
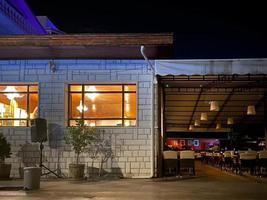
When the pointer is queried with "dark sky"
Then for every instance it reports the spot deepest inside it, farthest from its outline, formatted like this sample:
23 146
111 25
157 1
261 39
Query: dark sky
214 29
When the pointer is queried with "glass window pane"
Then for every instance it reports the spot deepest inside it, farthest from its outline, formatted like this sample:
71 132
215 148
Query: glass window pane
33 88
130 123
102 88
13 122
75 88
33 106
103 122
107 105
130 105
13 105
13 88
76 106
130 88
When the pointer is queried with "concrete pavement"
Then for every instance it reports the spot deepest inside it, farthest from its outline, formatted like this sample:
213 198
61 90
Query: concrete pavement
210 183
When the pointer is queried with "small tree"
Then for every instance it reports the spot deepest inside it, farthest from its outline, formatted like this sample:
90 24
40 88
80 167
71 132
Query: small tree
4 148
100 149
79 137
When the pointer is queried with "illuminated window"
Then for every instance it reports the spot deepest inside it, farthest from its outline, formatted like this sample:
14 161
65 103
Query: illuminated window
18 104
102 105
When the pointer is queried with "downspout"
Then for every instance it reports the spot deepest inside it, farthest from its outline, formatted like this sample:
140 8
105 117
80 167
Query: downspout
152 68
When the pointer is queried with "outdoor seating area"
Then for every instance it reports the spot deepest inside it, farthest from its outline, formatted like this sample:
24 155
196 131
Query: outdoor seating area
179 162
239 162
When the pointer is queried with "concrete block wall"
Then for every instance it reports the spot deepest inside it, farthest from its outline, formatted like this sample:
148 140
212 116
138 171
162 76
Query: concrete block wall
130 145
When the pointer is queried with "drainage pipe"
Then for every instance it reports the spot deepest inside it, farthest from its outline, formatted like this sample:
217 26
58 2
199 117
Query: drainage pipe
142 50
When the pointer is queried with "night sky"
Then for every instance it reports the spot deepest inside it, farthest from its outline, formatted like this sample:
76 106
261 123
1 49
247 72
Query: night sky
202 30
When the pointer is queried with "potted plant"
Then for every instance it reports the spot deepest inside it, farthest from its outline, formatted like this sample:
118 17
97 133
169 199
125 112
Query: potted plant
79 137
4 153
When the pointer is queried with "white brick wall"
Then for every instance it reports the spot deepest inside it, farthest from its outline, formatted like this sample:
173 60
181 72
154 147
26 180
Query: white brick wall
130 145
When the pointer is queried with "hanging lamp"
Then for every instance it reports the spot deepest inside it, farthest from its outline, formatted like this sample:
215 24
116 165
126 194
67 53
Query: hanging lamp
191 127
197 122
230 120
218 126
251 110
204 117
214 106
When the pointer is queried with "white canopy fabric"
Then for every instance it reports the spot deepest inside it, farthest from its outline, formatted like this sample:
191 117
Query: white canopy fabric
211 67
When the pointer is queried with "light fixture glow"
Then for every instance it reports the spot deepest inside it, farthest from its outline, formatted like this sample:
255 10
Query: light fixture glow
251 110
82 107
191 127
92 124
197 122
12 95
204 117
230 121
218 126
93 107
91 96
214 106
126 123
127 98
2 110
127 108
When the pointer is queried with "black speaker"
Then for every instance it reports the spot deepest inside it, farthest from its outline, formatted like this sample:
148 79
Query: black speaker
38 130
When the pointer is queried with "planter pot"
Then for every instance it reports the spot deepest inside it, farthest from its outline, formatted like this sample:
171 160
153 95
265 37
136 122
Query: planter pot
76 171
5 171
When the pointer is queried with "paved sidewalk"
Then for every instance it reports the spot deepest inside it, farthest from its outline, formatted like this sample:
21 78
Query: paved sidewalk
210 183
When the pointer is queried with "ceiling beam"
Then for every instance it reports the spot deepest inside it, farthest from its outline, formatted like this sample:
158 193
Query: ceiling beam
195 107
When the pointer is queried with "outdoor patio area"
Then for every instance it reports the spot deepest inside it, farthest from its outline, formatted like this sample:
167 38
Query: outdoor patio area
209 183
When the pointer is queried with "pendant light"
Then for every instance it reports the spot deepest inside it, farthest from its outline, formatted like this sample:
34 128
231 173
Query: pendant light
218 126
214 106
251 110
230 120
204 117
197 122
191 127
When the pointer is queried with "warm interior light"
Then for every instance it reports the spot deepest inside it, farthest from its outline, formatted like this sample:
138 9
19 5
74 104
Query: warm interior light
127 109
214 106
191 127
2 110
93 107
197 122
91 96
218 126
204 117
127 98
251 110
126 123
230 120
92 124
82 107
12 95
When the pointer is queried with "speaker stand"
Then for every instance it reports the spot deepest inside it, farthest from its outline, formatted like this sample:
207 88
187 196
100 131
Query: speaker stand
42 166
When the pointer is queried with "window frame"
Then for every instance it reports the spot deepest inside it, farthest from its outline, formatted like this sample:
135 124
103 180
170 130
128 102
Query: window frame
28 92
83 92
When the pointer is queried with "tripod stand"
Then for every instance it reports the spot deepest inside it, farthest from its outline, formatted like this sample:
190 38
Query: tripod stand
42 166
